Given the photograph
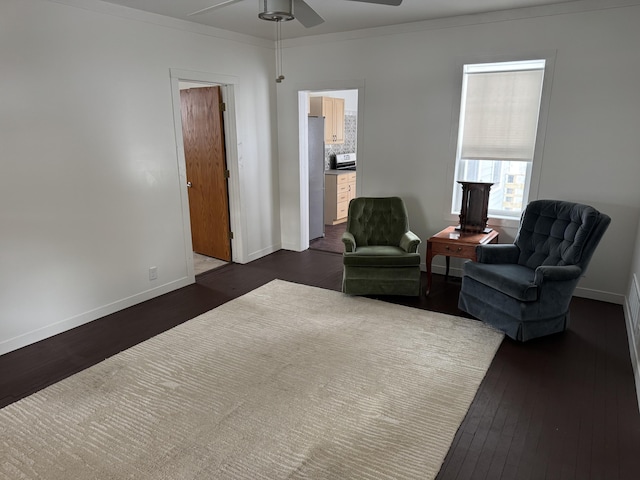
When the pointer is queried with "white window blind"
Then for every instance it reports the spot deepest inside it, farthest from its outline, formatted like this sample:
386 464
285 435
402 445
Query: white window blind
501 114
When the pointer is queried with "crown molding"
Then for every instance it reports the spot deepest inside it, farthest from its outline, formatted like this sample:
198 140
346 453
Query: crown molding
577 6
566 8
164 21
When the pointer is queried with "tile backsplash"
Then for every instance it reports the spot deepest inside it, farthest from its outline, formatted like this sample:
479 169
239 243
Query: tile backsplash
350 139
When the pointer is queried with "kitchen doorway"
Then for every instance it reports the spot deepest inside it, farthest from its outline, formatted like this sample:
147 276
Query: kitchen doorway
339 108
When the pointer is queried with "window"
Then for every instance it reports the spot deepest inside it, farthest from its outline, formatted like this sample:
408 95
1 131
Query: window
499 110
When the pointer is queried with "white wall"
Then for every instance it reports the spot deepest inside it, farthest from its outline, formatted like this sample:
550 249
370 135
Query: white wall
412 75
90 194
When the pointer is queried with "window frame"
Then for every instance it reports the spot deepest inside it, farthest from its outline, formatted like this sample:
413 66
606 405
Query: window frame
534 167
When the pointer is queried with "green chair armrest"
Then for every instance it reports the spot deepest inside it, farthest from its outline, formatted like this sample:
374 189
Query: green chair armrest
349 242
409 242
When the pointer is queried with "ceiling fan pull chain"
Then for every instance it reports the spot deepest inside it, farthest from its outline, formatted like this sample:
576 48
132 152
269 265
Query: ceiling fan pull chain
279 75
278 48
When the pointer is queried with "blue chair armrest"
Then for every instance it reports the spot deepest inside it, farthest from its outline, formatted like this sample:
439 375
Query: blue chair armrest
497 253
556 273
555 287
409 242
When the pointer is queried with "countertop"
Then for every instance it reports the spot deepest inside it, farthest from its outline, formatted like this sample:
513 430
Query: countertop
338 172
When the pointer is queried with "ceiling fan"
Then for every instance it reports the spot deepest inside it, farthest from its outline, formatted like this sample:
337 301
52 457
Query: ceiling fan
284 10
279 11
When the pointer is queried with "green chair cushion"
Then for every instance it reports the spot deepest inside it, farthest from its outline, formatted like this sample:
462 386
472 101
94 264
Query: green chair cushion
381 256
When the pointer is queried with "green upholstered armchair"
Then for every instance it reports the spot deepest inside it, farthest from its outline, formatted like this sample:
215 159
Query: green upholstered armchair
381 256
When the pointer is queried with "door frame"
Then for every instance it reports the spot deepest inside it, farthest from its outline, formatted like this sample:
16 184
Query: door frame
303 138
227 84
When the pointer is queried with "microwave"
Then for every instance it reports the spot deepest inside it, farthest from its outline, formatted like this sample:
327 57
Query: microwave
345 161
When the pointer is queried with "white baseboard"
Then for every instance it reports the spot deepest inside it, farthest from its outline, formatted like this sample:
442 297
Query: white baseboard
441 269
600 295
86 317
591 294
263 252
631 314
293 247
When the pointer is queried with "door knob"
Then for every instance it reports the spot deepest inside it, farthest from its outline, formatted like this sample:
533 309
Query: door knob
189 185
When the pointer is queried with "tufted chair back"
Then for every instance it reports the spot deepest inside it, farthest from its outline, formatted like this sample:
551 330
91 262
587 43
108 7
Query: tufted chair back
377 221
559 233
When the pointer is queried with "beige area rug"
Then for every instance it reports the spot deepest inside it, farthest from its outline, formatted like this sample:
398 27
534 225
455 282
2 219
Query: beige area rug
286 382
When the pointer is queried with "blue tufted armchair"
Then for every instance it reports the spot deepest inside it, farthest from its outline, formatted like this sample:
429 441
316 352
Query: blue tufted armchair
381 256
525 289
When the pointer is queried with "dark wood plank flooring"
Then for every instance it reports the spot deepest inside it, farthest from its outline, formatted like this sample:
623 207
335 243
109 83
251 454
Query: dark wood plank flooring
561 407
332 240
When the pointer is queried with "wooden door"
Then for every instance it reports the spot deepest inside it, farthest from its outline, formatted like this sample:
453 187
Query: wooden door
203 136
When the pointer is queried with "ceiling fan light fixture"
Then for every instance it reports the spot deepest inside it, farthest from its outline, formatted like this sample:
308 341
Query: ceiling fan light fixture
276 10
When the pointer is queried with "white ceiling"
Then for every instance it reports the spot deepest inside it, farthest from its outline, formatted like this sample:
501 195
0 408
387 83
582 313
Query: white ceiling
339 15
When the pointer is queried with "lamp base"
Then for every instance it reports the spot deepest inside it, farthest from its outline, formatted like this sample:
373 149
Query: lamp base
485 230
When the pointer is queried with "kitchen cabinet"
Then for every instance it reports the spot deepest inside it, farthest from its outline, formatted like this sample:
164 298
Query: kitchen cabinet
332 109
339 190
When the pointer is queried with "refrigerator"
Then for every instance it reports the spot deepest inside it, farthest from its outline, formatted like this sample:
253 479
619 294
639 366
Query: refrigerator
316 177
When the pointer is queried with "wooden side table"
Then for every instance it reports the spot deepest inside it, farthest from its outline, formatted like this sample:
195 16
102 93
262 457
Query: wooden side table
455 243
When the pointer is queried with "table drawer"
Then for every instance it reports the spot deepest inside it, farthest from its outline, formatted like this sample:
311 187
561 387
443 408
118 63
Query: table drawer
451 250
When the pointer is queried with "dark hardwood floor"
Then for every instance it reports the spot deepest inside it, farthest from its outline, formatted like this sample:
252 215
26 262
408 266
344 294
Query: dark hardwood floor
561 407
332 240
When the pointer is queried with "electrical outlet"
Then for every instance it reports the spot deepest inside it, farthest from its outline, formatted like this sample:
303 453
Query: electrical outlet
153 273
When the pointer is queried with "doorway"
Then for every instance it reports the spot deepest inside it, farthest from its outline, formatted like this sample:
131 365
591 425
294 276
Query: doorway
340 137
234 225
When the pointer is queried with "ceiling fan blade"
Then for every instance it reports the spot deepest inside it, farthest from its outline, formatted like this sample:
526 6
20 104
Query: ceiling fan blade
306 15
213 7
394 3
